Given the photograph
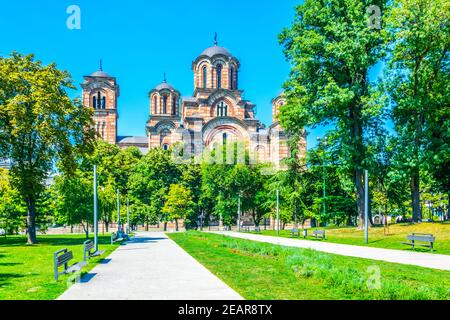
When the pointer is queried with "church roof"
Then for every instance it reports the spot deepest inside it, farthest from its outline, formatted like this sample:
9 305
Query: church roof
164 85
215 50
100 74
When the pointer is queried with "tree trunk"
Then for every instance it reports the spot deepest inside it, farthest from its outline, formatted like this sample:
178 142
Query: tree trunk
176 224
165 226
86 230
448 206
146 224
415 196
107 225
360 203
31 221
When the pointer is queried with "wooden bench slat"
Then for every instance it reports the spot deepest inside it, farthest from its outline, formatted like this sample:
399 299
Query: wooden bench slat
421 238
64 258
76 267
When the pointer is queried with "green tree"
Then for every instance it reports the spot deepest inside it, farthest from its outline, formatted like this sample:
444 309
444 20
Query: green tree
191 178
179 204
332 48
12 207
149 183
40 126
75 205
418 84
114 167
250 182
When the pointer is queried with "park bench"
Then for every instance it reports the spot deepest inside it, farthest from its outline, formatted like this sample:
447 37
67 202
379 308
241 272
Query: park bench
88 246
245 226
421 237
319 233
295 232
119 236
62 258
115 237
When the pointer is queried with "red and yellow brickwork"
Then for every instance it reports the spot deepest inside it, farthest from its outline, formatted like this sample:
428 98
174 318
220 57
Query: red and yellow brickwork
216 111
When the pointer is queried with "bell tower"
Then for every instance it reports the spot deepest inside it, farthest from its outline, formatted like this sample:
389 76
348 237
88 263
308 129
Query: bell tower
100 92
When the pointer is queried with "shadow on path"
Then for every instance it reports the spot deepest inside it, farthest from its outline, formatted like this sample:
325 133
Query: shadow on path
88 277
146 240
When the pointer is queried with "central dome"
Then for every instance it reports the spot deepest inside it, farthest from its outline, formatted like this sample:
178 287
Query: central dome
164 85
100 74
215 50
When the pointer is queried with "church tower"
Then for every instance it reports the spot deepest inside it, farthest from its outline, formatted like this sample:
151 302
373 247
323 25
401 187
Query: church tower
165 116
100 92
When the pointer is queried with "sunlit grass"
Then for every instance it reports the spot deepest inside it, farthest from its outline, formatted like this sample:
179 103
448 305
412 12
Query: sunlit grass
265 271
393 239
26 271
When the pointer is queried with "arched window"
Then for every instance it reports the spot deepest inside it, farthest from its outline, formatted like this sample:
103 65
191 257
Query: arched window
231 78
164 104
94 102
174 105
224 138
155 104
104 102
219 76
204 77
99 100
165 147
222 109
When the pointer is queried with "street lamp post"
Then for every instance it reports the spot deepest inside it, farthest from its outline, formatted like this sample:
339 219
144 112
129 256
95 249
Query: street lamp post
366 206
95 210
118 211
278 212
239 212
128 215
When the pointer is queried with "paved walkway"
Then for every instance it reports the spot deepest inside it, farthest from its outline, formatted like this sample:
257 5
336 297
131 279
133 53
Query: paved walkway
428 260
150 267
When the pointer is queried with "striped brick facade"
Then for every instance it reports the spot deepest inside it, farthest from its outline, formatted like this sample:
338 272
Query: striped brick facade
216 111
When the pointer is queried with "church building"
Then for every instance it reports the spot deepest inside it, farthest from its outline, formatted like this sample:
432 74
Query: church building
215 113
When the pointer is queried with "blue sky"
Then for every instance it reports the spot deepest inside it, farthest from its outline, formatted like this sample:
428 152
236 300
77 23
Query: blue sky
139 40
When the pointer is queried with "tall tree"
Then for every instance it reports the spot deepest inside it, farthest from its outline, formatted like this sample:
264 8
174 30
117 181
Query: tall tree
332 48
12 207
149 183
419 83
39 126
191 178
179 204
75 203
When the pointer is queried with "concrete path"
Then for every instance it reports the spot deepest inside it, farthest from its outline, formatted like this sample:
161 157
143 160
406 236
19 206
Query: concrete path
428 260
150 267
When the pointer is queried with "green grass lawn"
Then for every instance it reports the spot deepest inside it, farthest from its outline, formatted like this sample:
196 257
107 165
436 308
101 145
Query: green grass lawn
265 271
377 238
26 272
